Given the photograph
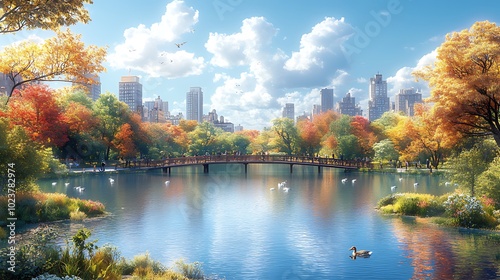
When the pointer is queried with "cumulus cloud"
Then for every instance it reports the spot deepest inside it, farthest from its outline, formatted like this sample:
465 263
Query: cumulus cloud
404 78
273 76
322 46
152 50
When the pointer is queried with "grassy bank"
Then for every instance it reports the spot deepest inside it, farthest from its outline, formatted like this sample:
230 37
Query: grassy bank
45 207
455 209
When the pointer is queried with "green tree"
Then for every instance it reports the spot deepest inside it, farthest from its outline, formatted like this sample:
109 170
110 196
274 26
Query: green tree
204 139
287 134
385 150
29 158
111 115
489 181
465 168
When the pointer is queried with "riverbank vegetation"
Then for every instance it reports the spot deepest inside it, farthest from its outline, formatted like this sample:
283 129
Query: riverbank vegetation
41 258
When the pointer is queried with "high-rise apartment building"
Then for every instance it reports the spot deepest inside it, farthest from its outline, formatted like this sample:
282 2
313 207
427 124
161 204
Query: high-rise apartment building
94 89
326 99
289 111
349 107
130 92
194 104
379 103
406 99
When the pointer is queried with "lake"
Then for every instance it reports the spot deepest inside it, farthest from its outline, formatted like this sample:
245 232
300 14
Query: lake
241 228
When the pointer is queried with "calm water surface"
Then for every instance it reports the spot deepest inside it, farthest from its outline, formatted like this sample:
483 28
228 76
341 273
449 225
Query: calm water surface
241 229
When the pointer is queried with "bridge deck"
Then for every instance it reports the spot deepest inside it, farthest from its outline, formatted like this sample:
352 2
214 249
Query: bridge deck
166 164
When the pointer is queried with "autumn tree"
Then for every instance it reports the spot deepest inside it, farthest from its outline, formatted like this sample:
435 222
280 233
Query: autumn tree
310 137
361 128
36 110
262 143
123 142
465 80
16 15
429 135
61 58
347 144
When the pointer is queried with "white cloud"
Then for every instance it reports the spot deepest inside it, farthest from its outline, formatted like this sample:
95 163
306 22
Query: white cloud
240 48
152 50
404 78
271 76
321 46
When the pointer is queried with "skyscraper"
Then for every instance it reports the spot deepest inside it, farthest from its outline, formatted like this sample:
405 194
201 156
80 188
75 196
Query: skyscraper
130 92
379 102
406 99
194 104
349 107
94 89
289 111
326 99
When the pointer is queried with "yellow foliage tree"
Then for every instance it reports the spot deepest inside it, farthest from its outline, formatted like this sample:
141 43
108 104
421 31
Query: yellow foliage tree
61 58
16 15
465 80
429 135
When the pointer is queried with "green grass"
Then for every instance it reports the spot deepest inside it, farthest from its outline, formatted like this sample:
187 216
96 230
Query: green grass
45 207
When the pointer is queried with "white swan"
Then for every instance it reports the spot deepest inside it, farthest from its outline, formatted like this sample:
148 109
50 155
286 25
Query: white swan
400 179
54 183
66 184
271 189
111 180
286 189
447 184
393 188
167 183
353 181
344 180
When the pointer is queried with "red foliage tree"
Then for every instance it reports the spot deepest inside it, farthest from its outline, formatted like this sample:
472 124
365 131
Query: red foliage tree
36 110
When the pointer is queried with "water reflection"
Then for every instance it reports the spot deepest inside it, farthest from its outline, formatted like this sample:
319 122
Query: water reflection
240 229
444 253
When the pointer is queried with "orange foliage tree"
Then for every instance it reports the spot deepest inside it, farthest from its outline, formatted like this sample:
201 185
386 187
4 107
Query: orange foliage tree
428 135
124 142
310 137
61 58
36 110
361 128
465 80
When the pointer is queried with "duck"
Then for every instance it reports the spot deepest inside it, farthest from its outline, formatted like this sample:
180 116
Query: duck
360 253
415 185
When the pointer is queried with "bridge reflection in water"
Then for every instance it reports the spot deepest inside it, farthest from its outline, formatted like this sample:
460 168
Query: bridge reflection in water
320 162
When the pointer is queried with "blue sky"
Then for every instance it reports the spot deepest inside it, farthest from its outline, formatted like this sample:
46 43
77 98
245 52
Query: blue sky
251 57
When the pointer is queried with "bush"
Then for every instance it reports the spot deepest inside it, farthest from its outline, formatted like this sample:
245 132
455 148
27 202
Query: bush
191 271
467 211
387 200
407 205
33 258
77 215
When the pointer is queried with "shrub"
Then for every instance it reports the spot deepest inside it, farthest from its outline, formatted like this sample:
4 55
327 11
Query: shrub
467 211
77 215
387 200
190 270
39 255
144 265
407 205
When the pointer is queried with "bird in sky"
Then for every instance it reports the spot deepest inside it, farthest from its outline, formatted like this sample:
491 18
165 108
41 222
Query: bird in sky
180 44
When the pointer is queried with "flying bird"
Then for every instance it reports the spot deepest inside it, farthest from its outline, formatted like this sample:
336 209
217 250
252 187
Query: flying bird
180 44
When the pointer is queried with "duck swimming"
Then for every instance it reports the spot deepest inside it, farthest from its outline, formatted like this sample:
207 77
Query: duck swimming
360 253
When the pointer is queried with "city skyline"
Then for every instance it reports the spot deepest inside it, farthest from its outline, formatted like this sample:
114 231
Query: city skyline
251 57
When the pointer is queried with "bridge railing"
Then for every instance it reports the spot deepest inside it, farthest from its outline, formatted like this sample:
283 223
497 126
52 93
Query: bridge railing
255 159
